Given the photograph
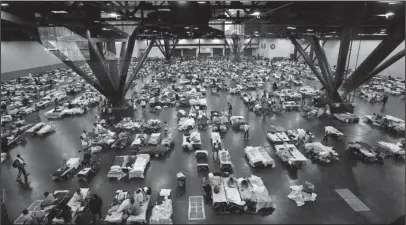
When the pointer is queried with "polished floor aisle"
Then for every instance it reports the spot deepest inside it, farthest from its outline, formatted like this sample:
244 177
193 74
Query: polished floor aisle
380 187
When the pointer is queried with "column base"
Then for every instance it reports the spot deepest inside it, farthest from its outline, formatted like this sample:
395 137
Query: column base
342 107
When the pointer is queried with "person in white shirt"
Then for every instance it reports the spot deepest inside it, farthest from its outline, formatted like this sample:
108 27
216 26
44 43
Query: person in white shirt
246 131
143 104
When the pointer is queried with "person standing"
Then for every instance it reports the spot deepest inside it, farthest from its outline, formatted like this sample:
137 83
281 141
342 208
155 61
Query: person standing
4 146
95 207
143 104
384 100
246 131
230 109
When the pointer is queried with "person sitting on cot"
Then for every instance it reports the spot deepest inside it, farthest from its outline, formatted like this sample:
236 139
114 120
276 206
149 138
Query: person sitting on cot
49 199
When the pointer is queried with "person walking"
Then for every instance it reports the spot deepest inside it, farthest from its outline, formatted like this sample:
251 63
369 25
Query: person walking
246 131
20 164
230 109
95 207
384 100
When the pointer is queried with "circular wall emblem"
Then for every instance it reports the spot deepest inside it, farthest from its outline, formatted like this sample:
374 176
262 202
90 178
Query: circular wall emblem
272 46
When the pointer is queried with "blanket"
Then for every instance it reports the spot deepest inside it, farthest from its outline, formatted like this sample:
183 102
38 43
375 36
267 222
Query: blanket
299 196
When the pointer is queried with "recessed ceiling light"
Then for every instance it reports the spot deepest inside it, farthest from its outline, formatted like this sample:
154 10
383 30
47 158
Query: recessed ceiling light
387 15
59 12
113 15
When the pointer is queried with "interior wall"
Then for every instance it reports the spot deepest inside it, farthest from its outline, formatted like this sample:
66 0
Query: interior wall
24 55
283 48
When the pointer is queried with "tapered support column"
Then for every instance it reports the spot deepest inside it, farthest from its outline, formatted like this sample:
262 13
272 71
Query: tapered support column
396 35
323 63
93 82
236 49
342 56
126 61
140 63
385 65
309 62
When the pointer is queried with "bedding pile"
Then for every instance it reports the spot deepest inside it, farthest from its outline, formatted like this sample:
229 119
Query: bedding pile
320 152
186 124
127 124
258 156
300 195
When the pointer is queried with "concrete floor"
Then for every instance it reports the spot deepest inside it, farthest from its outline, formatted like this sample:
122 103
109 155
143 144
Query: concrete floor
380 187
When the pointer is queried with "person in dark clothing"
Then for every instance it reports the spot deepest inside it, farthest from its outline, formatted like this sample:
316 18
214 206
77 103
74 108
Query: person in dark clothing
325 139
19 163
384 100
4 146
95 206
230 109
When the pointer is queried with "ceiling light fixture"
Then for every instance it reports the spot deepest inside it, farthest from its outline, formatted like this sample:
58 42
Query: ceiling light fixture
291 28
387 15
113 15
4 4
59 12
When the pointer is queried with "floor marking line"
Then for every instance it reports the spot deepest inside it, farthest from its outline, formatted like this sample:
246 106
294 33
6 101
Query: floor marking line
353 201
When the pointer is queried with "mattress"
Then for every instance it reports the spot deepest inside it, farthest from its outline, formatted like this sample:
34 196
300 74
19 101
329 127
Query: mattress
154 139
116 170
162 213
215 136
45 129
232 193
168 140
283 136
333 130
142 217
137 141
75 206
36 127
219 197
224 157
263 199
138 168
115 214
318 147
274 137
289 153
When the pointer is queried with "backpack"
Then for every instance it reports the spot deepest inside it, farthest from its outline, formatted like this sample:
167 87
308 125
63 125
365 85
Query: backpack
16 163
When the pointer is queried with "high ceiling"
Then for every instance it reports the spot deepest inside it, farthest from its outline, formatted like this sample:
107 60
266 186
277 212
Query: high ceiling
204 19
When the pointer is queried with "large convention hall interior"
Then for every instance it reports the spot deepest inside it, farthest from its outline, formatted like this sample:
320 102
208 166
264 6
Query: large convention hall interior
202 112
